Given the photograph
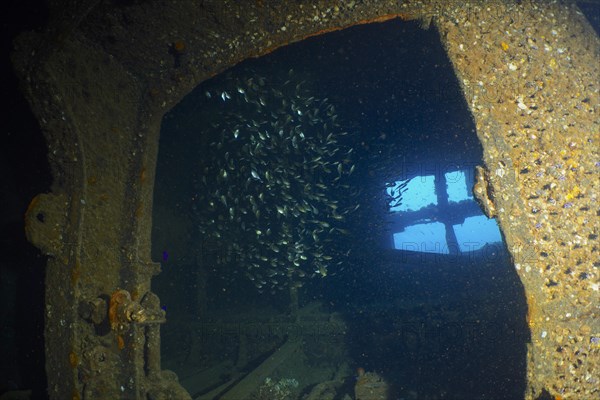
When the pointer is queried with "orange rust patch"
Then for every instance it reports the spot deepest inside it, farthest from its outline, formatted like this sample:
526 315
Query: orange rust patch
179 46
73 359
382 18
92 180
120 342
117 299
143 175
139 210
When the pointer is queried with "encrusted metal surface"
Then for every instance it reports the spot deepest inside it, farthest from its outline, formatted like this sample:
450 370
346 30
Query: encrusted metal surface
102 76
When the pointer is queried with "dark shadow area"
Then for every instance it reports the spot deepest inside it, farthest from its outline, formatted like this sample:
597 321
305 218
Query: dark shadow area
25 173
274 174
451 327
545 396
591 10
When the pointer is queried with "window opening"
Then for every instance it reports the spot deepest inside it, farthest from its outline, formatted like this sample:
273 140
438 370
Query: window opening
446 198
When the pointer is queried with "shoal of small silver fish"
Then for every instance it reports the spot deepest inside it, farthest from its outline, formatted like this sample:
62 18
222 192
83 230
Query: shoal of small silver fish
272 188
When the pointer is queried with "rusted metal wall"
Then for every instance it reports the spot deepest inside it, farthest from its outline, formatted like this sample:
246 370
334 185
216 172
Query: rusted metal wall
103 74
528 74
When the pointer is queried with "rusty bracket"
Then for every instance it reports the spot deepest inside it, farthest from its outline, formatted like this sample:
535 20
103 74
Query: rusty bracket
123 311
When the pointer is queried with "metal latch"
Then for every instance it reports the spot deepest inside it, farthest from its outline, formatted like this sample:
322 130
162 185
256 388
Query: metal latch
123 310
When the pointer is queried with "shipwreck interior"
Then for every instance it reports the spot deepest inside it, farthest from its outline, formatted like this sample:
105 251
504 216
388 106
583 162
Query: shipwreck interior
316 200
406 287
